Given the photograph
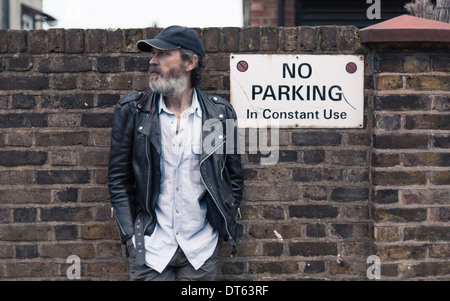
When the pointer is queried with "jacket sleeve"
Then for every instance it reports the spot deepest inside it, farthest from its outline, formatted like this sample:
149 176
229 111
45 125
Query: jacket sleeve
233 160
120 172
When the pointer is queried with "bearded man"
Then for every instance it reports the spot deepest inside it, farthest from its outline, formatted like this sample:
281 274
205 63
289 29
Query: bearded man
175 199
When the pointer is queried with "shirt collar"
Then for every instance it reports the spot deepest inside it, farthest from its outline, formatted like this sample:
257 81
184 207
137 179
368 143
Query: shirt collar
194 108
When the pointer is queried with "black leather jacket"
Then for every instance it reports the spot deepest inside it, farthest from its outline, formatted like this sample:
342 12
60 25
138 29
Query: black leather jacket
134 167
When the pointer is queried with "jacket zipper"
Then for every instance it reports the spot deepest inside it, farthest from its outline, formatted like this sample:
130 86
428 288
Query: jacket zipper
223 166
148 183
117 221
218 207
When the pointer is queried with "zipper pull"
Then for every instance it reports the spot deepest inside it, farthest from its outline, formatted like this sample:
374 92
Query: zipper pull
234 251
112 212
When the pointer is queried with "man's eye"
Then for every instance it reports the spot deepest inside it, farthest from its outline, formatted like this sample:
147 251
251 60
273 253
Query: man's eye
161 54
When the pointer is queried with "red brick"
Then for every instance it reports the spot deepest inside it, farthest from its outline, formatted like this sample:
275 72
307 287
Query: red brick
397 141
441 178
274 267
399 178
266 230
312 248
428 82
402 102
74 40
437 122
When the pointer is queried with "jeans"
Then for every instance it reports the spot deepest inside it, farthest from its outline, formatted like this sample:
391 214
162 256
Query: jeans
178 269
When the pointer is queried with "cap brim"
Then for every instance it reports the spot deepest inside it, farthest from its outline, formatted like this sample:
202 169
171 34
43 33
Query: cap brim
148 45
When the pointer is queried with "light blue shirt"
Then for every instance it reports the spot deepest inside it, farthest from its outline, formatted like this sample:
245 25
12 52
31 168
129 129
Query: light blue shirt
181 218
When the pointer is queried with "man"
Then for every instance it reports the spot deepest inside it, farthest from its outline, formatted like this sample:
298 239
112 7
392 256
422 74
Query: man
174 197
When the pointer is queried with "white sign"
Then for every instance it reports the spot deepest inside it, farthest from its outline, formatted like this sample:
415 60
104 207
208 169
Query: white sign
303 91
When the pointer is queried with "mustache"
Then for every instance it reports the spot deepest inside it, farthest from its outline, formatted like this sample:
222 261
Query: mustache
155 69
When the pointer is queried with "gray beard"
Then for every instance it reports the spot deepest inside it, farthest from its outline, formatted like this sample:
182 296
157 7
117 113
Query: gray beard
169 87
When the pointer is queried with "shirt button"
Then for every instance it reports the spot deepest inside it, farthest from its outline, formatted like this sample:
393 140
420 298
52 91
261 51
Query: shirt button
178 189
177 211
176 233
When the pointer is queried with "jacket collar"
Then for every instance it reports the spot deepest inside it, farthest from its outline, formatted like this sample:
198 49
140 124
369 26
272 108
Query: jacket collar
208 108
149 103
149 126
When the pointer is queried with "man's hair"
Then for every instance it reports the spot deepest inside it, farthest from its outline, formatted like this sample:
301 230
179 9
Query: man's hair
196 73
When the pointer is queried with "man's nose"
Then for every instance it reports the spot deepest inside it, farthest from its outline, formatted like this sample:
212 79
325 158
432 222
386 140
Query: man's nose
153 60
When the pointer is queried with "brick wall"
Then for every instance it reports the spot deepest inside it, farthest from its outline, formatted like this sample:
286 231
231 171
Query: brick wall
335 197
410 161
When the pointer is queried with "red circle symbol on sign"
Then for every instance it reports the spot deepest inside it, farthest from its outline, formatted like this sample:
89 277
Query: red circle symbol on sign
242 66
351 67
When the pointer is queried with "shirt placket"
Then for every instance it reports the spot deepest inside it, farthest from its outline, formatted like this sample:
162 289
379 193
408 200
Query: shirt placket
178 145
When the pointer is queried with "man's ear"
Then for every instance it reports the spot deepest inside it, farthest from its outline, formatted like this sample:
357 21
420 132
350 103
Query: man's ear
191 63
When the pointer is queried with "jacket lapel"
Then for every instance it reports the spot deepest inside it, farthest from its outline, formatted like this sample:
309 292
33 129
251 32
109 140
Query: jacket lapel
150 125
211 113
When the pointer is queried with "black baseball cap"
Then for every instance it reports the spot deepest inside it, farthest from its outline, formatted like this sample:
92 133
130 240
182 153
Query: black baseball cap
174 37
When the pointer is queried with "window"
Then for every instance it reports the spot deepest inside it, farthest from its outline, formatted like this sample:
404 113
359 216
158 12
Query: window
28 22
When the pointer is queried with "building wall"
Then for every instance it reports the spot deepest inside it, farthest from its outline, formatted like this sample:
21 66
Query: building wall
335 197
15 12
266 13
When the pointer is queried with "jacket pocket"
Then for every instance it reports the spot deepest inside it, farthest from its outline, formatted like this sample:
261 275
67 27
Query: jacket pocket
222 219
232 206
